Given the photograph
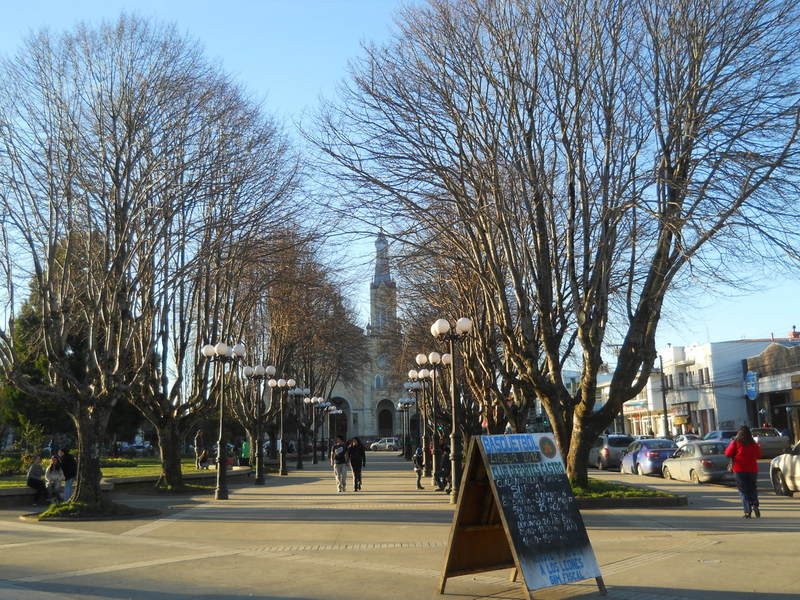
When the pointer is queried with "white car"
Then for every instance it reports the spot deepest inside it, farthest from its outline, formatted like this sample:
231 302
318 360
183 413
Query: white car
388 443
685 438
784 471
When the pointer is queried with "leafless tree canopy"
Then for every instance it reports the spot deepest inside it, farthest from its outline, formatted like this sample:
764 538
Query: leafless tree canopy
137 183
579 159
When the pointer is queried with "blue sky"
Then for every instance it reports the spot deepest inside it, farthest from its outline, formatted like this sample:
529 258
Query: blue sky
288 53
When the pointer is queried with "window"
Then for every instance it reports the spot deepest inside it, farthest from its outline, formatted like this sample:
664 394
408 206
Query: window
681 379
700 379
708 379
670 383
378 381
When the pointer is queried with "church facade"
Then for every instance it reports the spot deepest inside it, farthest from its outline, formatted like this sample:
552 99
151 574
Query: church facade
369 406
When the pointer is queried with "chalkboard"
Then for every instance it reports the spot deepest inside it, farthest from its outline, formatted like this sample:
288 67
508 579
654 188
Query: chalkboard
516 510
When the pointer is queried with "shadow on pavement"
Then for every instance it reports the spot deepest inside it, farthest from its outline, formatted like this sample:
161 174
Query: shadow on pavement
60 590
321 514
622 592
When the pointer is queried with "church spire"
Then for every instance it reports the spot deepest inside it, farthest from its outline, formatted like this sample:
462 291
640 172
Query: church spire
382 272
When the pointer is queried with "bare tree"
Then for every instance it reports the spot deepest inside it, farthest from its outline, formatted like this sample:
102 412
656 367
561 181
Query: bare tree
130 171
579 159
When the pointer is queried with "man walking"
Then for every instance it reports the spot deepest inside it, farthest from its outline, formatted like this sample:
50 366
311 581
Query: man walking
339 463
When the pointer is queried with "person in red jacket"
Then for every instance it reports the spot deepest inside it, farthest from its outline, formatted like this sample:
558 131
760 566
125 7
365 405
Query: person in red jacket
744 451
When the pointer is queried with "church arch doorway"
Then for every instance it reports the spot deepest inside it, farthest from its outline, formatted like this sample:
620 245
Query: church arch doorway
385 417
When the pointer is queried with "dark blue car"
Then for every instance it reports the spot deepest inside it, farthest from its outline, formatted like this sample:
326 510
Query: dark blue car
645 457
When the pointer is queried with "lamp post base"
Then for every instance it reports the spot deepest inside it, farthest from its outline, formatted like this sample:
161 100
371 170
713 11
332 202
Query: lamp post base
282 463
221 491
455 467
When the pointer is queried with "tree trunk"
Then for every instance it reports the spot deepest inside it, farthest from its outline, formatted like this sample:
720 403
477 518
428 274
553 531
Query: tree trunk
89 429
169 447
273 441
578 456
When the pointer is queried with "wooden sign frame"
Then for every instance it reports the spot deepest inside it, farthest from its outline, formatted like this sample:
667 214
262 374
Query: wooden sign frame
480 538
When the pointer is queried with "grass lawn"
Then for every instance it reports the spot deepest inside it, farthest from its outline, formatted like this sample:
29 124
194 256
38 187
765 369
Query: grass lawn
606 489
144 466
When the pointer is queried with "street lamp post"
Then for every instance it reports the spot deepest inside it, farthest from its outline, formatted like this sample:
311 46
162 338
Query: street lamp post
283 385
441 330
300 441
405 405
257 374
667 432
430 416
221 353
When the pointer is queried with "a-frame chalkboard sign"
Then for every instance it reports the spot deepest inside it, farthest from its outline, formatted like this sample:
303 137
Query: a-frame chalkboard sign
516 511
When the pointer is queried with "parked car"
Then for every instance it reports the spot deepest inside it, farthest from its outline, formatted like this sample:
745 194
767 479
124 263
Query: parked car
606 452
721 435
698 462
388 443
784 471
645 457
771 441
685 438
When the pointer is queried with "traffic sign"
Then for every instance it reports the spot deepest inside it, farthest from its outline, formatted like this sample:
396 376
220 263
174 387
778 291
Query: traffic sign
751 385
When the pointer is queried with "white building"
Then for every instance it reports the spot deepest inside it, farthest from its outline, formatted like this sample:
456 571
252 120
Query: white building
702 391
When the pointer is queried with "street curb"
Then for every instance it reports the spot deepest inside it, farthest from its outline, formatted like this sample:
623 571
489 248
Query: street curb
633 502
141 513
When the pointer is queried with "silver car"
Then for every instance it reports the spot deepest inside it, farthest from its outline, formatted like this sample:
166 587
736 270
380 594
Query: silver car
607 450
771 441
698 462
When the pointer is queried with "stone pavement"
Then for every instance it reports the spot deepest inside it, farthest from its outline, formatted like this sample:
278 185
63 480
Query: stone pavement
297 538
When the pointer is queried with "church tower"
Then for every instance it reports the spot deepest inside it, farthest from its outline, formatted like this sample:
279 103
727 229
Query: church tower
382 292
382 333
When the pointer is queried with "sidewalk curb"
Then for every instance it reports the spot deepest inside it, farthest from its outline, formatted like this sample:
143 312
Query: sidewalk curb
633 502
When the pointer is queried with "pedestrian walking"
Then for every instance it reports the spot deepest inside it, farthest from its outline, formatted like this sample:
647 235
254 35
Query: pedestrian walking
199 448
55 478
36 480
443 475
418 467
744 451
69 467
357 459
339 463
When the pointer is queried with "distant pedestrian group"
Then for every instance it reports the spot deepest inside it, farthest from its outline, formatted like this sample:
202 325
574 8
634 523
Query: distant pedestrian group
53 484
353 454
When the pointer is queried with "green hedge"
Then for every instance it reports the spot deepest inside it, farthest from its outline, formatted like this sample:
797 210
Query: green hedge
117 462
10 466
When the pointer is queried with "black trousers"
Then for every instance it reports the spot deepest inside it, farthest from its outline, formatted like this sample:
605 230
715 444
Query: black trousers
356 476
41 489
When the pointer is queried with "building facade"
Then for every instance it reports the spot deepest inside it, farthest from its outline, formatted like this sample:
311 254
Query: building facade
703 388
369 406
777 392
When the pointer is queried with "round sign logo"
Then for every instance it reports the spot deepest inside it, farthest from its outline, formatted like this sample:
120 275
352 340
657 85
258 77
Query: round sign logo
548 447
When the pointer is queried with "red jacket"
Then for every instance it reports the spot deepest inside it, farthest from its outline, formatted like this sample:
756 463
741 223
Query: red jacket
744 457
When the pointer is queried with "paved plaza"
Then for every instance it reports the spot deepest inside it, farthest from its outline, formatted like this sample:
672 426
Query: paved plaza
298 538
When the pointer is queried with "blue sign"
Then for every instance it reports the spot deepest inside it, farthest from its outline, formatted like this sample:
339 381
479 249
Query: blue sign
751 385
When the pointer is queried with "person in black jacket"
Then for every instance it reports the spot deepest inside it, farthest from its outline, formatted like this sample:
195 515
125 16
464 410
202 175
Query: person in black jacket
70 468
418 467
357 457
